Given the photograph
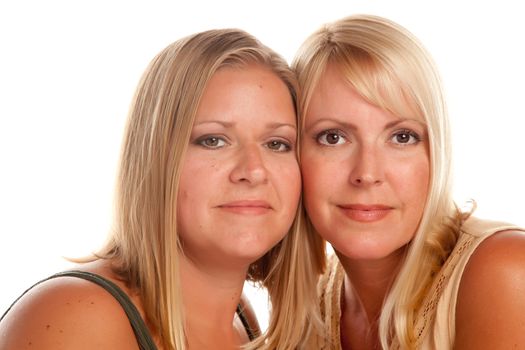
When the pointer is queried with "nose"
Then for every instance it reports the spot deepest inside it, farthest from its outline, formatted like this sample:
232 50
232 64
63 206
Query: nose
367 167
249 166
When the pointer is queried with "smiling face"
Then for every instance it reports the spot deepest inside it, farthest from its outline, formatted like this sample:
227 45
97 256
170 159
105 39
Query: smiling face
240 181
365 171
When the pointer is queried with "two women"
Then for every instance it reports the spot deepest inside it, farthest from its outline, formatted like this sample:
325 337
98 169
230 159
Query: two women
208 189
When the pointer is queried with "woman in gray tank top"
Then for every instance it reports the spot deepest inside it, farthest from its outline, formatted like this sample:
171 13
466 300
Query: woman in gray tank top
206 197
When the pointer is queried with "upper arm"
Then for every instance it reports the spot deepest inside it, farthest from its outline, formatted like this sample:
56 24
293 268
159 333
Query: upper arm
66 313
490 310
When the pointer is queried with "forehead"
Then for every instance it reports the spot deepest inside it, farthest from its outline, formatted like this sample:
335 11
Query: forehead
335 97
252 90
375 86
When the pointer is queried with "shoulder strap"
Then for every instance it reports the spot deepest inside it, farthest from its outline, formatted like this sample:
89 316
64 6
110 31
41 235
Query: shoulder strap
252 334
144 339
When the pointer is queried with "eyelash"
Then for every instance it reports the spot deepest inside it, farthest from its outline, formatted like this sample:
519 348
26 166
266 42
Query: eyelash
342 137
201 141
338 133
408 132
288 147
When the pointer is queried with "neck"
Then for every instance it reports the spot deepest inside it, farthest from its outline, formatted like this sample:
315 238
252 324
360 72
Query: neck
210 297
367 282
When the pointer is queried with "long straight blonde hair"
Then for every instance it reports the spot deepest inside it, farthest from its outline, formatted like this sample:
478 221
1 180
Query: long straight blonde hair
389 67
144 243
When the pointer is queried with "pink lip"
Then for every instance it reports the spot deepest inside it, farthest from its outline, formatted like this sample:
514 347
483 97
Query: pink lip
365 213
251 207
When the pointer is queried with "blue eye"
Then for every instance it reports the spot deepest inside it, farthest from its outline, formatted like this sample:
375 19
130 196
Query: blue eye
405 137
331 138
212 142
278 146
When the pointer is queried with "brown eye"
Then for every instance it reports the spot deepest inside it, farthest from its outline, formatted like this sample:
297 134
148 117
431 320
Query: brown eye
331 138
402 138
211 142
278 146
405 137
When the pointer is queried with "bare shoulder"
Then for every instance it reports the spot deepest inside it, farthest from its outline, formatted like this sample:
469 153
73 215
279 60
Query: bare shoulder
491 297
66 313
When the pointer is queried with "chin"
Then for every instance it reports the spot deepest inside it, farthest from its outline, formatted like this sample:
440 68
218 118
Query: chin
252 255
365 251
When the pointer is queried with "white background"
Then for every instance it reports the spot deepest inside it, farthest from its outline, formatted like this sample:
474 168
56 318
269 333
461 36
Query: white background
68 70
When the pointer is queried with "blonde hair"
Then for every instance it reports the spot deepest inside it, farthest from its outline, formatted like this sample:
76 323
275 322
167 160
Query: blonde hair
144 243
388 66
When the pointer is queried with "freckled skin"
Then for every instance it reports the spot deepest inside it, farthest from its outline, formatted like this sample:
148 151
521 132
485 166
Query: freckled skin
242 109
242 149
69 313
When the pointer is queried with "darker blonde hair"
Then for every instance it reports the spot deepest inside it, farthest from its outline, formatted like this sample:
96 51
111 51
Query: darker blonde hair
145 243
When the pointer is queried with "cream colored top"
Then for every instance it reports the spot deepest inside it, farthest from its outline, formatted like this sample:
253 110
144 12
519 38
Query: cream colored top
435 321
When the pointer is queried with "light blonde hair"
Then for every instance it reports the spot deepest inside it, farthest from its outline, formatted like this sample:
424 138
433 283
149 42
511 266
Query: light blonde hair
389 67
144 243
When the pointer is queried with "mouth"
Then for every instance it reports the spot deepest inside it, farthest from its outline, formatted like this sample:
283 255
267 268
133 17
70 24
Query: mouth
365 212
247 207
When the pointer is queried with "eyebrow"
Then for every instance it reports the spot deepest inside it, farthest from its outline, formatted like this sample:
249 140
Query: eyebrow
352 126
402 120
227 125
222 123
280 125
343 124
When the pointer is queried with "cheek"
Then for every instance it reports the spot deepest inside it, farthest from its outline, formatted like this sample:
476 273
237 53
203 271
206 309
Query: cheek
309 179
315 189
321 176
184 203
413 182
199 170
196 179
421 178
309 176
288 180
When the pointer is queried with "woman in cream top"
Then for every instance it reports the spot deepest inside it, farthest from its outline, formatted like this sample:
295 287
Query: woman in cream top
410 271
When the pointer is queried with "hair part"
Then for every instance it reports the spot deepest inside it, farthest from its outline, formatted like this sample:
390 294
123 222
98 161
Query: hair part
390 68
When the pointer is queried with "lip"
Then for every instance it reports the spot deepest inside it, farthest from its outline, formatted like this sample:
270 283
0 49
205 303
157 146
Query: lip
365 212
248 207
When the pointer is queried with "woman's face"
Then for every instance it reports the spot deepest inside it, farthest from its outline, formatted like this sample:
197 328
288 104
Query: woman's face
365 171
240 181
